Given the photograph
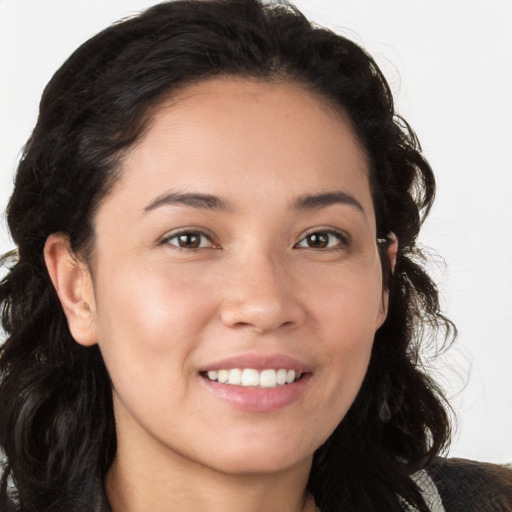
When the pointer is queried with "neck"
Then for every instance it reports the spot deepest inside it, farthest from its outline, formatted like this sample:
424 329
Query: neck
142 479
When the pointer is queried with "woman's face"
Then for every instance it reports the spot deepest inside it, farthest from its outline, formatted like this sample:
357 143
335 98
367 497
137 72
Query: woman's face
239 244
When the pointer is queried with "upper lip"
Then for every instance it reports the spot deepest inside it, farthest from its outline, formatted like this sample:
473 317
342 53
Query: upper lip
258 362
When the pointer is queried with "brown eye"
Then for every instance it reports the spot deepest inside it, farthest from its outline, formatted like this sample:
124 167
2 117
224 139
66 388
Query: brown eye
318 240
189 240
322 240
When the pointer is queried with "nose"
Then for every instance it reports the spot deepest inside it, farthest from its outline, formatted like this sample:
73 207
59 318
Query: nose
261 296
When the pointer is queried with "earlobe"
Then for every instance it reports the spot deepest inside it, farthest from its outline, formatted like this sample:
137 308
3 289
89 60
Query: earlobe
72 282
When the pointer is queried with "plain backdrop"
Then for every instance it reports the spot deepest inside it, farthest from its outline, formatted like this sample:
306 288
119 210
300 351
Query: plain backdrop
448 63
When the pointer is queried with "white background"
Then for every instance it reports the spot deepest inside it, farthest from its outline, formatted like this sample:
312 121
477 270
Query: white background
450 67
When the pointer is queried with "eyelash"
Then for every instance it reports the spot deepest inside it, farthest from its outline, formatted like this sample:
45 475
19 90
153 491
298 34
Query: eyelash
188 233
343 240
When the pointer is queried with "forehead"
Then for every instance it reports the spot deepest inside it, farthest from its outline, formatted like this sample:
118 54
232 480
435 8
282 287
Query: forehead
234 136
243 104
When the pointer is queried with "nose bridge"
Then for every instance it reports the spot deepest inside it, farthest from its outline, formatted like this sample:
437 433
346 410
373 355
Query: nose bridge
262 294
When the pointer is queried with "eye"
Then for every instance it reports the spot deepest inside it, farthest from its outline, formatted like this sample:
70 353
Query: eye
189 240
326 239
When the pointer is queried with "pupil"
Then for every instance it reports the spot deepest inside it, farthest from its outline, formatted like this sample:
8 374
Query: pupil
189 241
318 240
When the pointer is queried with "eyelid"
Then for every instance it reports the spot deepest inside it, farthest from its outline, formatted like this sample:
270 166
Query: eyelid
343 237
188 231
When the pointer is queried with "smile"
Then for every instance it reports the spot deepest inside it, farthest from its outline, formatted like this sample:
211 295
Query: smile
250 377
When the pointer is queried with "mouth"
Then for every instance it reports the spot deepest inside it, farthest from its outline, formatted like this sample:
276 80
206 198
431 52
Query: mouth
253 378
255 382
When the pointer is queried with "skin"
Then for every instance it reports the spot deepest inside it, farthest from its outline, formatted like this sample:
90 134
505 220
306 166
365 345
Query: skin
256 285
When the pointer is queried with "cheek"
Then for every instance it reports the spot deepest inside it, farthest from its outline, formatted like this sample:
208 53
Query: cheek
347 336
346 314
346 304
149 321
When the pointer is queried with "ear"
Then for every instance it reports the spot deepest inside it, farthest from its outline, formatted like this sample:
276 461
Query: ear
72 281
391 254
392 250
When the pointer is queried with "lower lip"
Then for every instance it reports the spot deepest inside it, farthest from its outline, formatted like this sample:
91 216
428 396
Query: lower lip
258 399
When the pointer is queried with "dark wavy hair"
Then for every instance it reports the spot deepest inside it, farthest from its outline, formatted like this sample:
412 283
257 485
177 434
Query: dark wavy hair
57 426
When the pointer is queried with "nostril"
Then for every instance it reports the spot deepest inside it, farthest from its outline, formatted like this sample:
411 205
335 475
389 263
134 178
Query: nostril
241 325
258 326
262 312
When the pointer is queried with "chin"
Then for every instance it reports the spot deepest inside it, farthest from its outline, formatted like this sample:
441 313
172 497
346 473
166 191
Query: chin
258 466
271 458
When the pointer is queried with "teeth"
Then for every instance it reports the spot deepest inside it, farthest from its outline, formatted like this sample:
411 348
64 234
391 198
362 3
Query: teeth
268 379
290 376
223 376
249 377
235 377
281 376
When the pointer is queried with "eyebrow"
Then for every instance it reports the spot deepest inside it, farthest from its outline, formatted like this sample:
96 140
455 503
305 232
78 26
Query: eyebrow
194 200
211 202
317 201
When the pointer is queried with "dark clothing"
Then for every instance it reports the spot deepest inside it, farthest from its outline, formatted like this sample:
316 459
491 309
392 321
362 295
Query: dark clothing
469 486
463 485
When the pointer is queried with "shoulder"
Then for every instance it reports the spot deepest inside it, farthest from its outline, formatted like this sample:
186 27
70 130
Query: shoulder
466 485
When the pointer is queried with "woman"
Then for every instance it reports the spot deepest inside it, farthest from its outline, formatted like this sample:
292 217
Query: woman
215 301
